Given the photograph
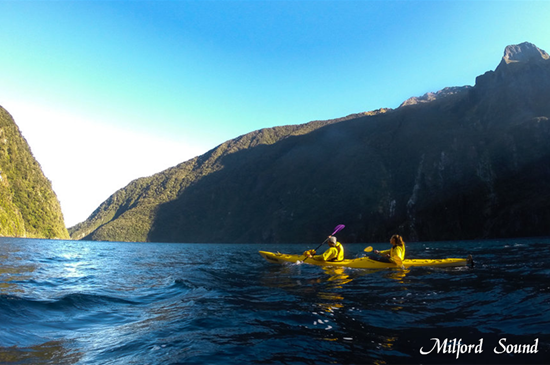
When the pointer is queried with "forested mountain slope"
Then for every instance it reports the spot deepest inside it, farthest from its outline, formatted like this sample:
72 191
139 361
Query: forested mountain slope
28 205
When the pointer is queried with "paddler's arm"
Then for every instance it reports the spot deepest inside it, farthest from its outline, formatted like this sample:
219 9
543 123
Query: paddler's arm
383 253
309 254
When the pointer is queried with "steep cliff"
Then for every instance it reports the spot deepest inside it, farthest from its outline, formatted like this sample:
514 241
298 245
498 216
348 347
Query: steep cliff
28 205
465 162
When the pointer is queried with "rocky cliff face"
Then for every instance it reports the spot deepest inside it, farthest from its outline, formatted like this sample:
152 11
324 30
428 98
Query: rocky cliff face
28 205
431 96
462 163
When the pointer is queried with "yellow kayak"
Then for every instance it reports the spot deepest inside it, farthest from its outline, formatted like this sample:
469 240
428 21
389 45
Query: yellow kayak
365 262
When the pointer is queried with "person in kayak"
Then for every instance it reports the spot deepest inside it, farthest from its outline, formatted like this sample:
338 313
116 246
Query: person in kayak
394 254
334 253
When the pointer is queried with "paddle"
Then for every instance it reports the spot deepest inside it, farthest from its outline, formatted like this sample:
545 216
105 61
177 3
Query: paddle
368 249
337 229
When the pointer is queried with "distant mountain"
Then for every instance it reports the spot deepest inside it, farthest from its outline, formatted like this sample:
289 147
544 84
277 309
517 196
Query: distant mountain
28 205
462 163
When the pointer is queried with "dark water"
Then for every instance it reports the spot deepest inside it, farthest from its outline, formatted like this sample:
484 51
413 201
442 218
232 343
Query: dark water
65 302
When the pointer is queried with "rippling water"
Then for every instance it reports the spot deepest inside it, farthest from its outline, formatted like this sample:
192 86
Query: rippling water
73 302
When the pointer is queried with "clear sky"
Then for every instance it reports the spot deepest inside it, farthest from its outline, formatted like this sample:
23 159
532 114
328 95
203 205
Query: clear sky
109 91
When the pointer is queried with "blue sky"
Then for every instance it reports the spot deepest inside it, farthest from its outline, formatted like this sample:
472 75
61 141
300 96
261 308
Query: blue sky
109 91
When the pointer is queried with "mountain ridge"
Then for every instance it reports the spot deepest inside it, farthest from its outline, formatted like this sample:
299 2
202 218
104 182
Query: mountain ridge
442 166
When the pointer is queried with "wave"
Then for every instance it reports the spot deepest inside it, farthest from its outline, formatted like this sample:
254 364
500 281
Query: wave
13 305
69 302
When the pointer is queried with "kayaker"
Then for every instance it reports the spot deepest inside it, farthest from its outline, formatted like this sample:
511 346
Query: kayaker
396 253
334 253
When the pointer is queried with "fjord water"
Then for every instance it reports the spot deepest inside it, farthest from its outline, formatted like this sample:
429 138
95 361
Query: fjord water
78 302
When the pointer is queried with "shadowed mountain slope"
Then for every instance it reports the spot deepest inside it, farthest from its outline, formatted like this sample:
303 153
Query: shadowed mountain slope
462 163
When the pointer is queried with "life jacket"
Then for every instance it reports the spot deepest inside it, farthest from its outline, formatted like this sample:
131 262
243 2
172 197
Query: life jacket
340 255
395 252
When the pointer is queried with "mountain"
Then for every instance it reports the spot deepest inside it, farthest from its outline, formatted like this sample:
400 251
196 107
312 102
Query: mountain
461 163
28 205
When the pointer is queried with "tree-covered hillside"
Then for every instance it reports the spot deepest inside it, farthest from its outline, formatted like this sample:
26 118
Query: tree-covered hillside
28 205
